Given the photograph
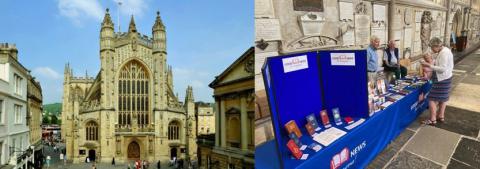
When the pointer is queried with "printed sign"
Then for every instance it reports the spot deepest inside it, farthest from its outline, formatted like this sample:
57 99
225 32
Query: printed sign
295 63
343 59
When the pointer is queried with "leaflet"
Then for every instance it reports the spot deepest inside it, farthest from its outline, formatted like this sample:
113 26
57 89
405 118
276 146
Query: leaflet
329 135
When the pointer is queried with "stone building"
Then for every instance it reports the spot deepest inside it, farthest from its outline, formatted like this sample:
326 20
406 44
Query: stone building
34 115
14 132
284 27
234 98
128 110
205 118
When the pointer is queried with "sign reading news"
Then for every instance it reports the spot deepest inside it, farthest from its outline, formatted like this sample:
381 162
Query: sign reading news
295 63
343 59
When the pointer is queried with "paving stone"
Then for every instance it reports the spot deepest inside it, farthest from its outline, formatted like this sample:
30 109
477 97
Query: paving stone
461 121
465 96
382 159
454 164
472 79
433 143
468 151
407 160
466 66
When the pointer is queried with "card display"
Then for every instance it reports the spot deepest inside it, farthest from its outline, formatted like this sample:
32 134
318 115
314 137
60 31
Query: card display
313 121
294 149
336 116
310 129
295 139
325 119
291 126
348 120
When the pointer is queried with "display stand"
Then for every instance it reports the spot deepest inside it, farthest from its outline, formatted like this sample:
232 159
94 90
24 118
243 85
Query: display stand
301 84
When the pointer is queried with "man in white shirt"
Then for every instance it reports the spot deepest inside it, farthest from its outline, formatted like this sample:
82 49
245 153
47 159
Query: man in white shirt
391 61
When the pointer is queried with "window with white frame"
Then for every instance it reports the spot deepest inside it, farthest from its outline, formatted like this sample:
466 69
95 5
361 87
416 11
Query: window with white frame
18 84
18 113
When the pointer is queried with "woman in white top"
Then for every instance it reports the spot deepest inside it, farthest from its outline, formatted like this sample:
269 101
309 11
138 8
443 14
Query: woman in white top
442 81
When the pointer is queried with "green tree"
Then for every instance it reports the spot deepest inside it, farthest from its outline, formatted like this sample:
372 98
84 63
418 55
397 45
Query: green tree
45 120
54 119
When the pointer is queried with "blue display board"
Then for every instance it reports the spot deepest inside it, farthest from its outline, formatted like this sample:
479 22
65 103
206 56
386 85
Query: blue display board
363 143
301 84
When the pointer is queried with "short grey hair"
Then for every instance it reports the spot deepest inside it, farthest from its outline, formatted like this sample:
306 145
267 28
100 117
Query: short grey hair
435 41
374 37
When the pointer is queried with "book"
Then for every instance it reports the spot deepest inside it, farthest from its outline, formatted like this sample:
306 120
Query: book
295 139
291 126
310 129
348 120
336 116
294 149
325 119
313 121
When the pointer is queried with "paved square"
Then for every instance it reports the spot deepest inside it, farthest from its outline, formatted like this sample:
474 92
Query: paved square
407 160
468 151
433 143
461 121
454 164
382 159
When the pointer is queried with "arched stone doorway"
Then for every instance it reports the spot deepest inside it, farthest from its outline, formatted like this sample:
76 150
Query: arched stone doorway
173 153
133 151
91 154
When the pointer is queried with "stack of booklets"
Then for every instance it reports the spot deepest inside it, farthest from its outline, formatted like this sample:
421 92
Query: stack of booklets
329 136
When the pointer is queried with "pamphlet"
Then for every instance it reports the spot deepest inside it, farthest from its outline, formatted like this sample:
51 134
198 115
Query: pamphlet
355 124
291 126
336 116
329 135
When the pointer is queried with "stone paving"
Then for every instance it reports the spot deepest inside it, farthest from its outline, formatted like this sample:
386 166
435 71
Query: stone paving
454 144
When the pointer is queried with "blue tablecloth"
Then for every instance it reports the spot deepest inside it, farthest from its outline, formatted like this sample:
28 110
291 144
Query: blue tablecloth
362 143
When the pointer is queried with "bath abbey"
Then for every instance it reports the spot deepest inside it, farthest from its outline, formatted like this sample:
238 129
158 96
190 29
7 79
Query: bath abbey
128 110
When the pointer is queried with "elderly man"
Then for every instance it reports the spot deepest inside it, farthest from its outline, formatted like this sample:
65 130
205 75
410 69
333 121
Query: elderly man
372 58
391 61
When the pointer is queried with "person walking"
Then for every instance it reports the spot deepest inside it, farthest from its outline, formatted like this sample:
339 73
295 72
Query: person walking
442 81
158 164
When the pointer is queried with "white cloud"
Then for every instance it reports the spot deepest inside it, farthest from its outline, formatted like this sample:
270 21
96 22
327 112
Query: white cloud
132 7
46 72
79 10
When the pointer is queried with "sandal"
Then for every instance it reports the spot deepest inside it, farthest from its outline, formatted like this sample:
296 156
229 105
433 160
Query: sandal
441 119
429 122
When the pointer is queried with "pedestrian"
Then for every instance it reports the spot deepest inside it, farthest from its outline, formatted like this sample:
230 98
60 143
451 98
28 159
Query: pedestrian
48 161
128 166
442 81
158 164
113 161
143 164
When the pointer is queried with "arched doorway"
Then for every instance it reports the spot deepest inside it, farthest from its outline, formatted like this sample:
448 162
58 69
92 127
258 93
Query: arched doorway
91 155
133 150
173 152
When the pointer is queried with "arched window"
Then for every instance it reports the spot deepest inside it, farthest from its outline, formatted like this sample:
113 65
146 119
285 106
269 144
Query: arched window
133 94
173 130
91 131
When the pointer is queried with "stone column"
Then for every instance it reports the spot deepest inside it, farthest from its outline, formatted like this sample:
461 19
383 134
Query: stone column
447 32
217 124
391 18
243 123
223 127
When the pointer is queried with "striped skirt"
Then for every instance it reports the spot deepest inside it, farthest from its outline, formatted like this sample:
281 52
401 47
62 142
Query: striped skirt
440 89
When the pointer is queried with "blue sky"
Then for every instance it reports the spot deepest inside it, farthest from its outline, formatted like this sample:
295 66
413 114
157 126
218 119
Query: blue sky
203 37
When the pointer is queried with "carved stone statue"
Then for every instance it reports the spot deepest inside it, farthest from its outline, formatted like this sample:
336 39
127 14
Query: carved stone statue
361 8
425 29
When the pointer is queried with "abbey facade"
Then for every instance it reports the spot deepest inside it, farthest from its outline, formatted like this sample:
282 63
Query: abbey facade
128 111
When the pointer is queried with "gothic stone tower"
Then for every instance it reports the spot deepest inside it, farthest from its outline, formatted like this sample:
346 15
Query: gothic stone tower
128 111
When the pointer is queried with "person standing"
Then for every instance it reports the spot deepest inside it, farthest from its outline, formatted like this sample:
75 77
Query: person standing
372 58
158 164
442 81
391 61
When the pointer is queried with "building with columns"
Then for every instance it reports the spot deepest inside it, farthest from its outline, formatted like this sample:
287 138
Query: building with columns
128 110
234 97
14 131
